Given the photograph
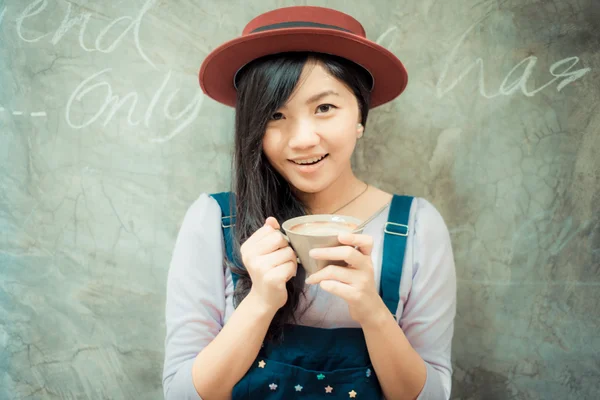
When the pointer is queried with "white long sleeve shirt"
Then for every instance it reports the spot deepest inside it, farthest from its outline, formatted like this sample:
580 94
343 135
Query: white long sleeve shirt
200 289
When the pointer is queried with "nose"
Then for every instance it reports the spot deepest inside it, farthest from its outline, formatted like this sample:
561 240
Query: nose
303 136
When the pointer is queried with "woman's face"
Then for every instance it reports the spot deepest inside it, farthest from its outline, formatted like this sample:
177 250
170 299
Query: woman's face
310 140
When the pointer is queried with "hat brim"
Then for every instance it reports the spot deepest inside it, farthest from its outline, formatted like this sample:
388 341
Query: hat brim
220 66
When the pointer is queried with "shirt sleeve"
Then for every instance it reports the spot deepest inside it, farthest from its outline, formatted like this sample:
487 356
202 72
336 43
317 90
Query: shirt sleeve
428 316
198 296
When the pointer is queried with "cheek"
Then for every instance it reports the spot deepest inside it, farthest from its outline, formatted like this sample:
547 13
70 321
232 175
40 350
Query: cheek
342 127
269 144
342 136
272 147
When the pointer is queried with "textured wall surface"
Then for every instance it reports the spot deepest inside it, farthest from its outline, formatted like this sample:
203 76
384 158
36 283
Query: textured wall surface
106 139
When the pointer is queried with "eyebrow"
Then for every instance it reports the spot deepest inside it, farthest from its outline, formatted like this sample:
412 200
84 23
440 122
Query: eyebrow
319 96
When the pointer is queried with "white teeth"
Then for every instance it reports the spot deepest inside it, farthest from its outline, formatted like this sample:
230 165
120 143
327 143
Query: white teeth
309 160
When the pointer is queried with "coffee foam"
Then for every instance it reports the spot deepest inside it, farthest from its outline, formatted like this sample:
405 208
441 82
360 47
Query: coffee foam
323 228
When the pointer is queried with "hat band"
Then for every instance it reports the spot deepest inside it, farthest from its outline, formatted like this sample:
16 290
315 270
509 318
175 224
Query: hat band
298 24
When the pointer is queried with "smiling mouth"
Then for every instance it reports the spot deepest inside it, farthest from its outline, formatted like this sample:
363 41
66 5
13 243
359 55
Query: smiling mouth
311 161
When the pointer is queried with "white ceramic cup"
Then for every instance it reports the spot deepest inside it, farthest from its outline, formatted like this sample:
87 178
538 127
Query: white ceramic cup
316 231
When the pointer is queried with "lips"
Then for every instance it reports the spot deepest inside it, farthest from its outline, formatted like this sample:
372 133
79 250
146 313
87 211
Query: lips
311 166
309 161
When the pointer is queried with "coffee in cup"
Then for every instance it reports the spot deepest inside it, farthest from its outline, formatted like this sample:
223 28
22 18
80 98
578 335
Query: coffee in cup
323 228
316 231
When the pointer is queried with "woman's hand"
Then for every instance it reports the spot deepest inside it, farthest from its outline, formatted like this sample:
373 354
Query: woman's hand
271 262
355 283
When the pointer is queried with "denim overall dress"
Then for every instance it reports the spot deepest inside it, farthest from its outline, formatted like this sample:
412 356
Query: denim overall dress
318 363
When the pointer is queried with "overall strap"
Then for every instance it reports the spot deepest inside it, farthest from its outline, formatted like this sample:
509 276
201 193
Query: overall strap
394 245
227 203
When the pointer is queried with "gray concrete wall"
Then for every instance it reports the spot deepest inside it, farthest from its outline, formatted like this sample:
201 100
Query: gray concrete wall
499 128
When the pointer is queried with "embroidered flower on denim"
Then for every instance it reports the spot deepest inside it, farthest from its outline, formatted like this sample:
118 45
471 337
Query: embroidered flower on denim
320 377
368 372
328 389
298 388
261 364
352 394
273 386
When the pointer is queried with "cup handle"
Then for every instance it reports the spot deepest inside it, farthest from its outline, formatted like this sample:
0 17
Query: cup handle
288 240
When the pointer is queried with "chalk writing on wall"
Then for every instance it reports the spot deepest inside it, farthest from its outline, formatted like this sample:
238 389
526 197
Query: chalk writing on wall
513 82
94 86
563 71
98 84
82 20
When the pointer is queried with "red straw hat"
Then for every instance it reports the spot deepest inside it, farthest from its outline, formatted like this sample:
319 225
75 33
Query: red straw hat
302 28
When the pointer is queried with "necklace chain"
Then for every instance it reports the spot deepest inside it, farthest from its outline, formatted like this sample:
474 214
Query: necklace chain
348 203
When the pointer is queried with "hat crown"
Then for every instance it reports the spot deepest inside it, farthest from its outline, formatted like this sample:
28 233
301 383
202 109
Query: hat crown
304 16
302 29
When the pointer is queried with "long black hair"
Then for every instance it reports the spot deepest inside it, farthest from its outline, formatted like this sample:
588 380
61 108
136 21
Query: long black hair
264 86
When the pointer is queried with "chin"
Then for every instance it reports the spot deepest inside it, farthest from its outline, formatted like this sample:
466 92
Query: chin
305 186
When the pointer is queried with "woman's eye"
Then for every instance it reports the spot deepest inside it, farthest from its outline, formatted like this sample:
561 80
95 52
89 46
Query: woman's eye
277 116
325 108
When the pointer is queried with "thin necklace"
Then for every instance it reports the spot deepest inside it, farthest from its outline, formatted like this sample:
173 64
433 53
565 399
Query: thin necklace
360 194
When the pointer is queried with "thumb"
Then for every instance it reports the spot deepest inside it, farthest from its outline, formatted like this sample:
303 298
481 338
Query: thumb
271 221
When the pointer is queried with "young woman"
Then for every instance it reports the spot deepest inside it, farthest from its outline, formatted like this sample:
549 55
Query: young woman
243 319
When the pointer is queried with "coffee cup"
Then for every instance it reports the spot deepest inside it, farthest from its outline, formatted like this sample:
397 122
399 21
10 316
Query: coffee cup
316 231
